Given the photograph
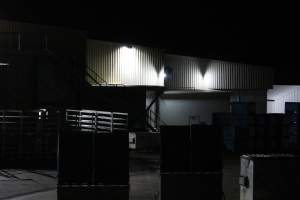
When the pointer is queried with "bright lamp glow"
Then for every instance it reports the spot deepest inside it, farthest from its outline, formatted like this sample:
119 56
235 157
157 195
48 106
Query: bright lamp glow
136 69
128 65
4 64
207 80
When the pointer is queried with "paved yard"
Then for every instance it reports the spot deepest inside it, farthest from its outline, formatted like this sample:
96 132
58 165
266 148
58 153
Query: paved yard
144 180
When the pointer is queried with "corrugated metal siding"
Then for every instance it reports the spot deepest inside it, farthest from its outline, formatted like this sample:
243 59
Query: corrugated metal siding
19 39
288 94
13 26
7 26
117 64
236 76
186 72
13 34
194 73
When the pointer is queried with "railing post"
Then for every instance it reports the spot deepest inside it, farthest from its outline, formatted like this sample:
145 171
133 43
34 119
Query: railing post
112 123
127 122
58 132
19 41
21 134
4 134
46 41
79 120
96 122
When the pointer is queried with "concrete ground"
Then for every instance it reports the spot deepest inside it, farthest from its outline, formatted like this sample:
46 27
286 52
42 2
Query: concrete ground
231 174
144 180
14 184
145 177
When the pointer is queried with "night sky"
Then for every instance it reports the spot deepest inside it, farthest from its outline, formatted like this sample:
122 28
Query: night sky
255 34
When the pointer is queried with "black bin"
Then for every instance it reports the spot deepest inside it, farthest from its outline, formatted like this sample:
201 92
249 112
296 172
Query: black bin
75 157
206 148
93 193
175 148
205 186
112 159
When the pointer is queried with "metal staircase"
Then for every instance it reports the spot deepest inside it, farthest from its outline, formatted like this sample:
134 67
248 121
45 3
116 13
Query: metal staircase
154 121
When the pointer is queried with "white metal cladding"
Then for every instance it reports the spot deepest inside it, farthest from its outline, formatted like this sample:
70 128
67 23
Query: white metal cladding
194 73
281 94
118 64
187 72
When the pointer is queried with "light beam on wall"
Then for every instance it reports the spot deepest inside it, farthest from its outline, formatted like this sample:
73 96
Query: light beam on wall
136 70
161 77
127 61
207 79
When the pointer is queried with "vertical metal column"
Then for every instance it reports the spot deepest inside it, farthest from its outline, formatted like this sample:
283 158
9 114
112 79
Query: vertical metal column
19 41
94 149
112 123
3 134
21 132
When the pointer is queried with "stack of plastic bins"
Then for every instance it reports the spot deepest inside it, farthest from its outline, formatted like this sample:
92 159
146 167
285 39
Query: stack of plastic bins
224 121
260 133
274 177
93 166
291 139
244 132
274 127
191 162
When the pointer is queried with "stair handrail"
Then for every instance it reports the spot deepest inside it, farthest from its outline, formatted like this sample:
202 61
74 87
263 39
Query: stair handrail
97 75
159 120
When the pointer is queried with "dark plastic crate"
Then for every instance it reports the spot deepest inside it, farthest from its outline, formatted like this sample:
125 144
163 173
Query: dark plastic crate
111 159
206 186
93 192
175 148
206 148
75 158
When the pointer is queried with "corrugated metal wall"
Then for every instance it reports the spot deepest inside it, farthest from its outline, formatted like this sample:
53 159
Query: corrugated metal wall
281 94
46 64
187 72
7 26
11 26
118 64
194 73
19 36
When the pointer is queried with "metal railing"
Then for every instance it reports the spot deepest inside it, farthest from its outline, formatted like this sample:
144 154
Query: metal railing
97 121
94 76
97 80
154 120
28 135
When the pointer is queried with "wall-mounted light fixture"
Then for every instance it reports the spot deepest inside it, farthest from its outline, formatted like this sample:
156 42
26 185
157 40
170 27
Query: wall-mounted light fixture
167 71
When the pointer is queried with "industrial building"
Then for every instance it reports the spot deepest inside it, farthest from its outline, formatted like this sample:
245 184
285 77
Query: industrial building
53 68
191 86
166 83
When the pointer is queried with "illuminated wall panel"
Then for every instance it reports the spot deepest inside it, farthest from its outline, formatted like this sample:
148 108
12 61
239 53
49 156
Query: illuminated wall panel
119 64
281 94
204 74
